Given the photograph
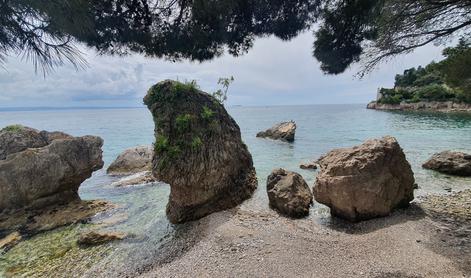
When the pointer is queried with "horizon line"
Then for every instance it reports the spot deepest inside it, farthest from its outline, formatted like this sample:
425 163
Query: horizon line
44 108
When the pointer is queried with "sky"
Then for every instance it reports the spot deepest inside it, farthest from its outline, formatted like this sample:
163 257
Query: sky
273 72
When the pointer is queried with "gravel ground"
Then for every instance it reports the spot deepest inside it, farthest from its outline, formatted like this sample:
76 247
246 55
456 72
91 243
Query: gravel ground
430 239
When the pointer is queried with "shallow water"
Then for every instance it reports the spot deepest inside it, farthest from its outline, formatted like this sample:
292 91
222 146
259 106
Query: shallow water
320 129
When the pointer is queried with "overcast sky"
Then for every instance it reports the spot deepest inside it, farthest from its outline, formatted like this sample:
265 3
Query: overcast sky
272 73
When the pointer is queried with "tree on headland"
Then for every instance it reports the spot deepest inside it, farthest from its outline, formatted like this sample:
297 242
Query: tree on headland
456 69
46 32
447 80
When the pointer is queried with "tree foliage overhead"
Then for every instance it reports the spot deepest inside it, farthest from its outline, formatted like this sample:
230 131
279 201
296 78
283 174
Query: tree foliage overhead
375 31
45 31
346 31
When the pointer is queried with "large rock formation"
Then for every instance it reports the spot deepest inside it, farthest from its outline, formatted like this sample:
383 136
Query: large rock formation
132 161
288 193
284 131
448 162
41 168
365 181
198 151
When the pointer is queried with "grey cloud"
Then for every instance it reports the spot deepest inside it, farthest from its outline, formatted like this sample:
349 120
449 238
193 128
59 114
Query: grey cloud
273 72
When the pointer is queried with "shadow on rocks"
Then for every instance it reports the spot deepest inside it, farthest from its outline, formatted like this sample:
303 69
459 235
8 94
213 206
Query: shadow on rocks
412 213
451 230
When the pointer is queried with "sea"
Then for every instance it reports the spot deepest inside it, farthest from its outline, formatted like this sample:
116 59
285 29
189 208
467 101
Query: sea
320 128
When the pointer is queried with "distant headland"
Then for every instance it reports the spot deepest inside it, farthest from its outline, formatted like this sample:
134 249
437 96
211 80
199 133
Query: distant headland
440 86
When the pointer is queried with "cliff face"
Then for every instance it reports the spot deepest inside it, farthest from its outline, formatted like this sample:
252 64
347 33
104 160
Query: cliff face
198 151
445 106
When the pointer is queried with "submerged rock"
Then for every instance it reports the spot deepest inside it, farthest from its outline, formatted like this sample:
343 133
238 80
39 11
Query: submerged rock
311 165
198 151
284 131
93 238
41 168
288 193
136 179
132 161
365 181
452 163
31 222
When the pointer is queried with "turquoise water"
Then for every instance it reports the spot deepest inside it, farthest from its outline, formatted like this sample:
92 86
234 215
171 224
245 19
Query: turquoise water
320 129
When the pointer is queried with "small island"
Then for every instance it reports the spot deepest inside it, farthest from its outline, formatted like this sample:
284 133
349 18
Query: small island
443 86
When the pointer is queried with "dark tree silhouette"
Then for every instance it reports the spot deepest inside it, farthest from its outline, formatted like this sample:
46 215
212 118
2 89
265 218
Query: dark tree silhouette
46 32
375 31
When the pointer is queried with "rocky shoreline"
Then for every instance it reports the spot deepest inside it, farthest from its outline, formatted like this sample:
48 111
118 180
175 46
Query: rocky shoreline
445 106
432 238
376 227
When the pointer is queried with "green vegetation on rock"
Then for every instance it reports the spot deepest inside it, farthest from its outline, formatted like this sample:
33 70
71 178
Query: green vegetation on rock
161 144
183 122
221 94
196 143
207 113
447 80
12 128
155 95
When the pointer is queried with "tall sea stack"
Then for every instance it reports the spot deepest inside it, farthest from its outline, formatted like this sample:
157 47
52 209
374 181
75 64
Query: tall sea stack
198 151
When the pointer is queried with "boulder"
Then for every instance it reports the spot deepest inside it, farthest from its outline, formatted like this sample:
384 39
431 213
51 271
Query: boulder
38 170
311 165
452 163
288 193
198 151
365 181
93 238
283 131
132 161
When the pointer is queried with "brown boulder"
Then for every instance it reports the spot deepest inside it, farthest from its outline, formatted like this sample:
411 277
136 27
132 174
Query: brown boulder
452 163
132 161
288 193
365 181
284 131
93 238
198 151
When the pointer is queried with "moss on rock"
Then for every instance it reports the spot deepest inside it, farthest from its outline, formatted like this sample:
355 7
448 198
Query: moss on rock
13 128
